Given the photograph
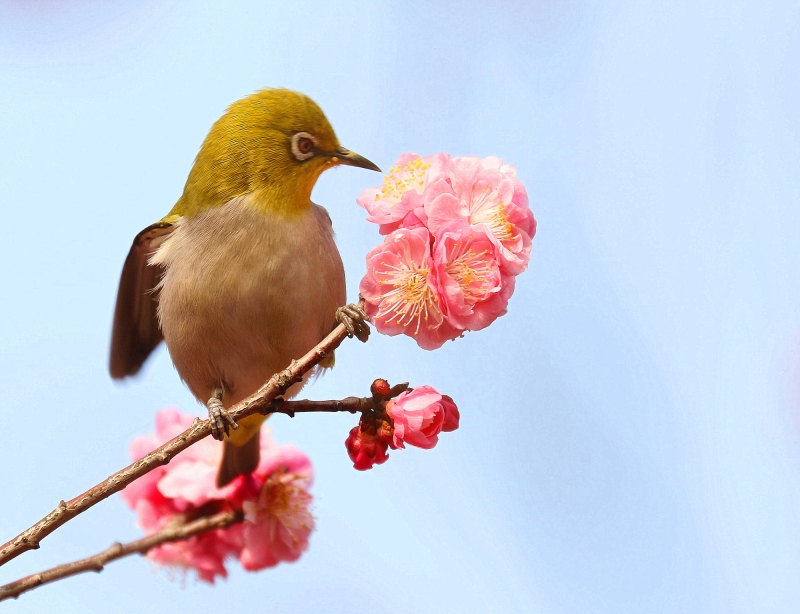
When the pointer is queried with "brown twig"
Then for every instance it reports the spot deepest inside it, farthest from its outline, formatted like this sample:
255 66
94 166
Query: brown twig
181 530
174 532
258 402
350 404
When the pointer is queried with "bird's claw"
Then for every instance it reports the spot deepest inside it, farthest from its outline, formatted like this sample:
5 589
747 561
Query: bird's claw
355 321
221 421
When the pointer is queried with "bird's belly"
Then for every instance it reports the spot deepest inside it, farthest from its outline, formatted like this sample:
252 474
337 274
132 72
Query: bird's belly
246 292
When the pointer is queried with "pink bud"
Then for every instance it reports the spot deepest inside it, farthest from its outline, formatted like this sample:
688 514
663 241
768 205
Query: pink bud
365 450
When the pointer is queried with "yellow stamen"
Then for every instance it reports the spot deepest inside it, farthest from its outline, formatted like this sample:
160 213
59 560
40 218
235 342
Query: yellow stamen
411 297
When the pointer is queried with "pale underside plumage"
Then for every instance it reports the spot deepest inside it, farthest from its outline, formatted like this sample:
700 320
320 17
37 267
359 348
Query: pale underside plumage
244 292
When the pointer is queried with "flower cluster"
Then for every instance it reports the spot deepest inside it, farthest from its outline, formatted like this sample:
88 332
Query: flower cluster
274 499
458 231
415 417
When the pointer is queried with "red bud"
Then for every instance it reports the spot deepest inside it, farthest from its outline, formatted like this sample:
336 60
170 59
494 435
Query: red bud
380 388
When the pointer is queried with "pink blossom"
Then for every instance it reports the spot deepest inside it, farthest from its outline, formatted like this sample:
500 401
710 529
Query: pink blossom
366 450
488 194
402 292
474 291
419 415
278 522
400 197
274 497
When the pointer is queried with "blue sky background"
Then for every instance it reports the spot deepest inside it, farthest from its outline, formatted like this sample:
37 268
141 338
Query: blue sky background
629 437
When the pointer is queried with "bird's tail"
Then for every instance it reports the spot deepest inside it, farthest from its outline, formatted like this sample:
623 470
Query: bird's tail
238 460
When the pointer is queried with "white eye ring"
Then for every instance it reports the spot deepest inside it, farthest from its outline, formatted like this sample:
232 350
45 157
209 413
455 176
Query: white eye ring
300 155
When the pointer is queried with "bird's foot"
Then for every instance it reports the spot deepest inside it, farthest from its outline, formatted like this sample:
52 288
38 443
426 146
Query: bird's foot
354 320
221 421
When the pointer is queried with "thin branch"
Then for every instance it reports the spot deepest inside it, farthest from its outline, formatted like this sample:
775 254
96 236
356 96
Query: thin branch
258 402
178 530
349 404
172 533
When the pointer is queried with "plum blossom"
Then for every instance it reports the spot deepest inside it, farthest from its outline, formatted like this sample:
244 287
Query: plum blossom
459 231
399 201
474 291
278 522
487 195
401 289
274 499
419 415
415 416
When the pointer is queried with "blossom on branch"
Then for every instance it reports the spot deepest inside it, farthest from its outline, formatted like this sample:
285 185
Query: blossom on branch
274 498
415 416
399 201
474 290
419 415
481 194
459 231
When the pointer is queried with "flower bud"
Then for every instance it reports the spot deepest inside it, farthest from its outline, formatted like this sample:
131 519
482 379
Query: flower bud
365 449
380 388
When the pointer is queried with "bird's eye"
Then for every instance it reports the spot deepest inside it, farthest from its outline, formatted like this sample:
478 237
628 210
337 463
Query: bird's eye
303 145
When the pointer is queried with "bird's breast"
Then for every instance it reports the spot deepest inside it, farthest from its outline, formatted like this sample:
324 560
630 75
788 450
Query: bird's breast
245 292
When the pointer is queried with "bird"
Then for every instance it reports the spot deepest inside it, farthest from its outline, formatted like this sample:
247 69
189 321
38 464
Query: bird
243 274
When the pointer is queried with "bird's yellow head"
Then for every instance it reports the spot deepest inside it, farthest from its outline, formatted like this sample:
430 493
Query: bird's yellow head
274 143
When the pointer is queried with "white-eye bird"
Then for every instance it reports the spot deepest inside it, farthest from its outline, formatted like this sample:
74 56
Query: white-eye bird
243 275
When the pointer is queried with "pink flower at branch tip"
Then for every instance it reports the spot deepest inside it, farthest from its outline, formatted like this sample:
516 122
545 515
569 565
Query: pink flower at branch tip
419 415
274 499
459 231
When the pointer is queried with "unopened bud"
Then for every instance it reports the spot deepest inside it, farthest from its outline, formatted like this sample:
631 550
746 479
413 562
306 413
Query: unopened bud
365 450
380 388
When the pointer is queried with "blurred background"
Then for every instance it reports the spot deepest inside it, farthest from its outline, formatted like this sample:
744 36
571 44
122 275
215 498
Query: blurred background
630 432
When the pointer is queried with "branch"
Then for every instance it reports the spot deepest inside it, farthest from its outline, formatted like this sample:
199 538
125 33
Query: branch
349 404
179 530
172 533
258 402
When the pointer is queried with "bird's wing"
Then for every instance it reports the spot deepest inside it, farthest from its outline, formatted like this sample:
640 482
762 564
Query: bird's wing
135 333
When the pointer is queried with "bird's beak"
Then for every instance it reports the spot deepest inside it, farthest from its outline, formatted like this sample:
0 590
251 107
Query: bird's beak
351 158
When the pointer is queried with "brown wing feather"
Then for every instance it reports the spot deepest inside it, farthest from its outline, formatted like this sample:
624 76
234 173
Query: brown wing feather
136 333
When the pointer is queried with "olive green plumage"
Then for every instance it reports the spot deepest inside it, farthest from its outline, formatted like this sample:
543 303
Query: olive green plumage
247 152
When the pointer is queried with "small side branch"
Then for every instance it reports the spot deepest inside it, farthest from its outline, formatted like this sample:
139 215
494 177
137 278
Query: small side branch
175 532
351 405
258 402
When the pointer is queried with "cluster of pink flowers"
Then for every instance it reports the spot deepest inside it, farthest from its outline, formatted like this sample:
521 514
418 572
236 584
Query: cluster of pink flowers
459 231
274 499
414 417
